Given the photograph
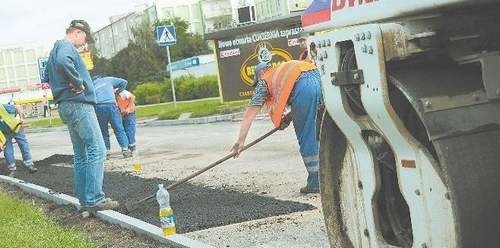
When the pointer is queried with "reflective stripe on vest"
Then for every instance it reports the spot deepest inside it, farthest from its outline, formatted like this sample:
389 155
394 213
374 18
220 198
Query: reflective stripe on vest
280 82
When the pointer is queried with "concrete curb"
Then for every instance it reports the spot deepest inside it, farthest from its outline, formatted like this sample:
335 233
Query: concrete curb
109 216
147 229
198 120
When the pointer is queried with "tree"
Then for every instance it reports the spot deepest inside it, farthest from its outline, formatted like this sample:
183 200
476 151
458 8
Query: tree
143 60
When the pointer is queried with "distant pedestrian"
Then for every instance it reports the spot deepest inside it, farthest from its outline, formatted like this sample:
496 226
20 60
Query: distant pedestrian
126 104
73 90
108 113
20 137
295 83
46 108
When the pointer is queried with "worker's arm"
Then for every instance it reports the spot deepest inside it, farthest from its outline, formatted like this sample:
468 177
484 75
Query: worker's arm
248 118
65 60
119 84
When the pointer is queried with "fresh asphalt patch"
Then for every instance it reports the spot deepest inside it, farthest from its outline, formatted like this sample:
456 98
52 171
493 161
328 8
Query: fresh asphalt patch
195 207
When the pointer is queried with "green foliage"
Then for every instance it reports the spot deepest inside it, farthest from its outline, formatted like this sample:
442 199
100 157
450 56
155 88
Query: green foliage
143 60
46 122
148 93
186 88
24 225
190 87
199 108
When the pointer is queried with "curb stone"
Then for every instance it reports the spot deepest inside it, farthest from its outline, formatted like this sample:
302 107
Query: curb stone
109 216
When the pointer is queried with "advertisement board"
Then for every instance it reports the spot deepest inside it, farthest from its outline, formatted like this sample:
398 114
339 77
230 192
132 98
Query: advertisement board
237 57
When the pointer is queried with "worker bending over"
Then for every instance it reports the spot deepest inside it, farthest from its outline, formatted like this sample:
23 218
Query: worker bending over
295 83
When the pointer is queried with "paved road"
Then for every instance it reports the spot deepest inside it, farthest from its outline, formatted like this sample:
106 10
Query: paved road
272 168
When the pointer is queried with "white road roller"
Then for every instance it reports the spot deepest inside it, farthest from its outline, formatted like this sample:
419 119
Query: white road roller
410 134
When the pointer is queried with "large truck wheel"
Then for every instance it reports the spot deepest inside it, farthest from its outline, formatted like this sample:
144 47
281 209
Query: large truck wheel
333 149
467 160
341 191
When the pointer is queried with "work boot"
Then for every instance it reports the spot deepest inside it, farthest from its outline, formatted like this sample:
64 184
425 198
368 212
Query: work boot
107 204
132 148
30 166
126 153
307 190
32 169
12 170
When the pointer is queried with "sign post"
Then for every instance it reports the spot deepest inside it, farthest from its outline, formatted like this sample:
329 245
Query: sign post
165 36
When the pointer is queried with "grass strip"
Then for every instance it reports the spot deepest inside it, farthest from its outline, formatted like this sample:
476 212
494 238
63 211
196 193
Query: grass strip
23 224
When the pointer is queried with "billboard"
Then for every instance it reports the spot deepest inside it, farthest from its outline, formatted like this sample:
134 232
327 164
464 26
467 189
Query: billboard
237 57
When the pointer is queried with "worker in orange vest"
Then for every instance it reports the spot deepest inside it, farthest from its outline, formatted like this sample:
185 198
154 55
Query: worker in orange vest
295 83
126 103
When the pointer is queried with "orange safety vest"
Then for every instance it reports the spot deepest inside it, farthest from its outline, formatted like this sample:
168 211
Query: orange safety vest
280 82
126 106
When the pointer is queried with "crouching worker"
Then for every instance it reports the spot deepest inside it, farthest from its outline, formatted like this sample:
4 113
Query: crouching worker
12 129
107 111
126 103
295 83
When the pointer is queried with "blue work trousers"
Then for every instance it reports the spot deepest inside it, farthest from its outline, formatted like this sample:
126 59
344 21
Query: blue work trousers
109 113
304 101
22 142
89 151
129 122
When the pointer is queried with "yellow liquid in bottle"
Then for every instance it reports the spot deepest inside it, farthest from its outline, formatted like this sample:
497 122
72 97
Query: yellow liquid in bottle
137 167
169 231
167 219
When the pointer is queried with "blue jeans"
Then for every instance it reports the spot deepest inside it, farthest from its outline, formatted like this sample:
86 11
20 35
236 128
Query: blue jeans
109 113
22 142
129 122
89 151
305 99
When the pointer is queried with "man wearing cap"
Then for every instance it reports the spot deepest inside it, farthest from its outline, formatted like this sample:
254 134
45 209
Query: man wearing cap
73 91
297 84
304 55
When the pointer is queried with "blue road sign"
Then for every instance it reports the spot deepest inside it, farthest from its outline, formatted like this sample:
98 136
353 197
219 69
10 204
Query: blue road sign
165 35
184 63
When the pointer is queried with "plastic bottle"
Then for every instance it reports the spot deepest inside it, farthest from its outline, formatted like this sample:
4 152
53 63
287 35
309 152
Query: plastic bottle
136 160
167 219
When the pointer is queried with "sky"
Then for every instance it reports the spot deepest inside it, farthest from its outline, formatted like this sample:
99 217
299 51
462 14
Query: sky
45 21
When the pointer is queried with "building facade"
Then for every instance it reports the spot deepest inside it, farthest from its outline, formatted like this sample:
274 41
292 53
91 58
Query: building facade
217 15
19 65
116 36
188 10
266 10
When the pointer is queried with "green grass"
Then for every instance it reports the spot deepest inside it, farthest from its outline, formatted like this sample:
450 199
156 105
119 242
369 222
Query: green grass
40 123
164 111
23 224
201 108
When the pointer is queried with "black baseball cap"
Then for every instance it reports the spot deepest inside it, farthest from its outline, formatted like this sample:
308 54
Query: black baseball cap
83 26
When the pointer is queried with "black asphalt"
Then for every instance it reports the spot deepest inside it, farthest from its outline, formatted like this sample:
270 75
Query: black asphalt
195 207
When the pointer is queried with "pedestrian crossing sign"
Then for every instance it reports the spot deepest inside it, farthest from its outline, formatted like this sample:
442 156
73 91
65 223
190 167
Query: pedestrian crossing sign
165 35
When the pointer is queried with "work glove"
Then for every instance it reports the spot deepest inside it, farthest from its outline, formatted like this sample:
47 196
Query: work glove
285 122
